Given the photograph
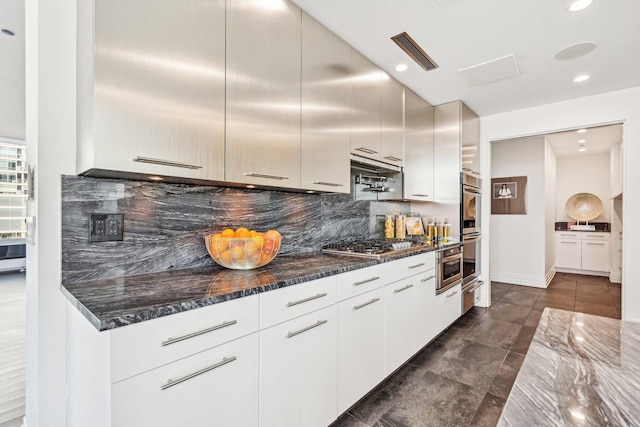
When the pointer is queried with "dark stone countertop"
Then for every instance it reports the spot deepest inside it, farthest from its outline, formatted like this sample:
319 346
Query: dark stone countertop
112 303
580 370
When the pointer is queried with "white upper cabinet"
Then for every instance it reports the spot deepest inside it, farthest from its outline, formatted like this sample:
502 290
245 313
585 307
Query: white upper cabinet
418 145
325 109
263 94
151 97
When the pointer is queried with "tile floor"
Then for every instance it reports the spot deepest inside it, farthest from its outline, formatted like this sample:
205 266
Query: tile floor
465 375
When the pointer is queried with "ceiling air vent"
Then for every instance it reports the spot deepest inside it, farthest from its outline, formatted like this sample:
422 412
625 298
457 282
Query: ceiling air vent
412 49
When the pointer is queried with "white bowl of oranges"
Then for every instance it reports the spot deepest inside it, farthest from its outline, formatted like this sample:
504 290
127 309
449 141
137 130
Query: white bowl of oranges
243 249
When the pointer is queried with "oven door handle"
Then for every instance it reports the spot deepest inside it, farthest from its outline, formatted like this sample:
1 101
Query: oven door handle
470 190
471 238
448 259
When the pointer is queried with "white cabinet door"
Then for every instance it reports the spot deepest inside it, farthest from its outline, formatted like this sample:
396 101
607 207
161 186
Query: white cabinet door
360 346
568 253
595 255
448 307
216 387
298 365
425 326
399 322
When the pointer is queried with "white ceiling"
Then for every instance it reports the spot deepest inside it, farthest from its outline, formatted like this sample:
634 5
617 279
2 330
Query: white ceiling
597 140
12 95
456 35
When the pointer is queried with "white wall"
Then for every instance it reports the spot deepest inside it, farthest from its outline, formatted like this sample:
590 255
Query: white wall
517 241
51 135
612 107
583 174
550 168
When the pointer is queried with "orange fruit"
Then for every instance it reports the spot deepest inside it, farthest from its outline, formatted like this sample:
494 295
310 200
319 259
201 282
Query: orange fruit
227 232
272 233
258 240
241 232
225 257
237 253
250 248
253 233
221 244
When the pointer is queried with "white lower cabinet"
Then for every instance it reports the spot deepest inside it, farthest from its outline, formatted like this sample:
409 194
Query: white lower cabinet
360 346
448 307
217 387
425 327
595 255
568 253
298 371
399 323
587 251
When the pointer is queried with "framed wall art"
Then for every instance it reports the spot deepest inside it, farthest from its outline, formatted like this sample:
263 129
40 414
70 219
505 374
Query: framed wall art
508 195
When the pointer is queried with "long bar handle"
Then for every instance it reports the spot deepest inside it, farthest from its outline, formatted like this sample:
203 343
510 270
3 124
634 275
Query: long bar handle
452 294
366 150
416 266
397 291
358 307
262 175
362 282
569 243
305 329
329 184
301 301
426 279
392 158
170 341
171 383
151 160
598 244
420 195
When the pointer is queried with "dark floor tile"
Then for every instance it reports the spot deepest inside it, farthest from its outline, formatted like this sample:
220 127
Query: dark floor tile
534 318
591 298
450 335
507 374
471 317
563 292
509 312
519 298
438 401
615 291
565 276
523 340
594 288
585 278
348 420
395 388
598 310
554 301
617 301
501 285
429 355
494 332
526 289
562 284
471 363
488 412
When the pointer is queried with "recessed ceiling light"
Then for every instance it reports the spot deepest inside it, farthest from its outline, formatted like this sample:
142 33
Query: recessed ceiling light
402 67
581 130
579 5
8 32
582 149
582 141
581 78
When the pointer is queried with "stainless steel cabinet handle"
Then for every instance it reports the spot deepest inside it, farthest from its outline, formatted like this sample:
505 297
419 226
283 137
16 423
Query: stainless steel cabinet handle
568 235
366 150
171 383
597 244
362 282
397 291
416 266
392 158
141 159
292 303
170 340
426 279
358 307
330 184
420 195
315 325
452 294
261 175
568 243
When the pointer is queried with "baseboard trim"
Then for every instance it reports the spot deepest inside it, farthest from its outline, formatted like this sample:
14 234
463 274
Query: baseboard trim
24 421
583 272
615 277
519 279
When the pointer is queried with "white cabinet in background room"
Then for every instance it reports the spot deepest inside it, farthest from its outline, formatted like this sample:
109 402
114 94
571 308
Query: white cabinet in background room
151 101
418 147
582 251
325 113
298 366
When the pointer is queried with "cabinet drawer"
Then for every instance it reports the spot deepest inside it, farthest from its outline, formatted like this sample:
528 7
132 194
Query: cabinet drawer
567 235
147 345
360 281
595 236
405 267
448 307
183 393
288 303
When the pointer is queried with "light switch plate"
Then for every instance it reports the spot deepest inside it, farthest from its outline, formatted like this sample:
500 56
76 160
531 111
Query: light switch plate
106 227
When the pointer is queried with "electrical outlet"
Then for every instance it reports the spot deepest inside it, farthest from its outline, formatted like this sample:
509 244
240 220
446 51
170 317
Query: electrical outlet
106 227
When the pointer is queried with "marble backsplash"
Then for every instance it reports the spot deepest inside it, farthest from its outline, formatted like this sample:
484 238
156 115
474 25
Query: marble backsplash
165 224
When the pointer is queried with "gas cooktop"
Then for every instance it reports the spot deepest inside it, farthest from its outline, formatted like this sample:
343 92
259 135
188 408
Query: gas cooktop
375 249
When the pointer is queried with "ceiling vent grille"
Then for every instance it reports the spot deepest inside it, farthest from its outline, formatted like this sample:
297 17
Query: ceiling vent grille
416 53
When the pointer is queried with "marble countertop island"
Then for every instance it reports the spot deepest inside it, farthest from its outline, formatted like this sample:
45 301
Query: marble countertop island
580 370
121 301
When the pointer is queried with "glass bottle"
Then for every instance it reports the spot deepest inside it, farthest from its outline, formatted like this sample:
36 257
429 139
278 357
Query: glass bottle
430 226
401 227
446 231
389 226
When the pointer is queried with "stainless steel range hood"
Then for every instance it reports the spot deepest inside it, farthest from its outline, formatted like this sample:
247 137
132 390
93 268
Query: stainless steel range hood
373 166
375 180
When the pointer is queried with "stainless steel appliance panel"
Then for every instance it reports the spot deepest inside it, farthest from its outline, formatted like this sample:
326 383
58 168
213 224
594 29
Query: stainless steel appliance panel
156 90
447 153
418 164
448 268
325 113
365 106
391 120
469 295
263 93
470 258
470 140
470 210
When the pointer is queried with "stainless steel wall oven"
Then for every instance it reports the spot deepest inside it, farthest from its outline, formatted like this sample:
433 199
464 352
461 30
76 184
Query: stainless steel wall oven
471 235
